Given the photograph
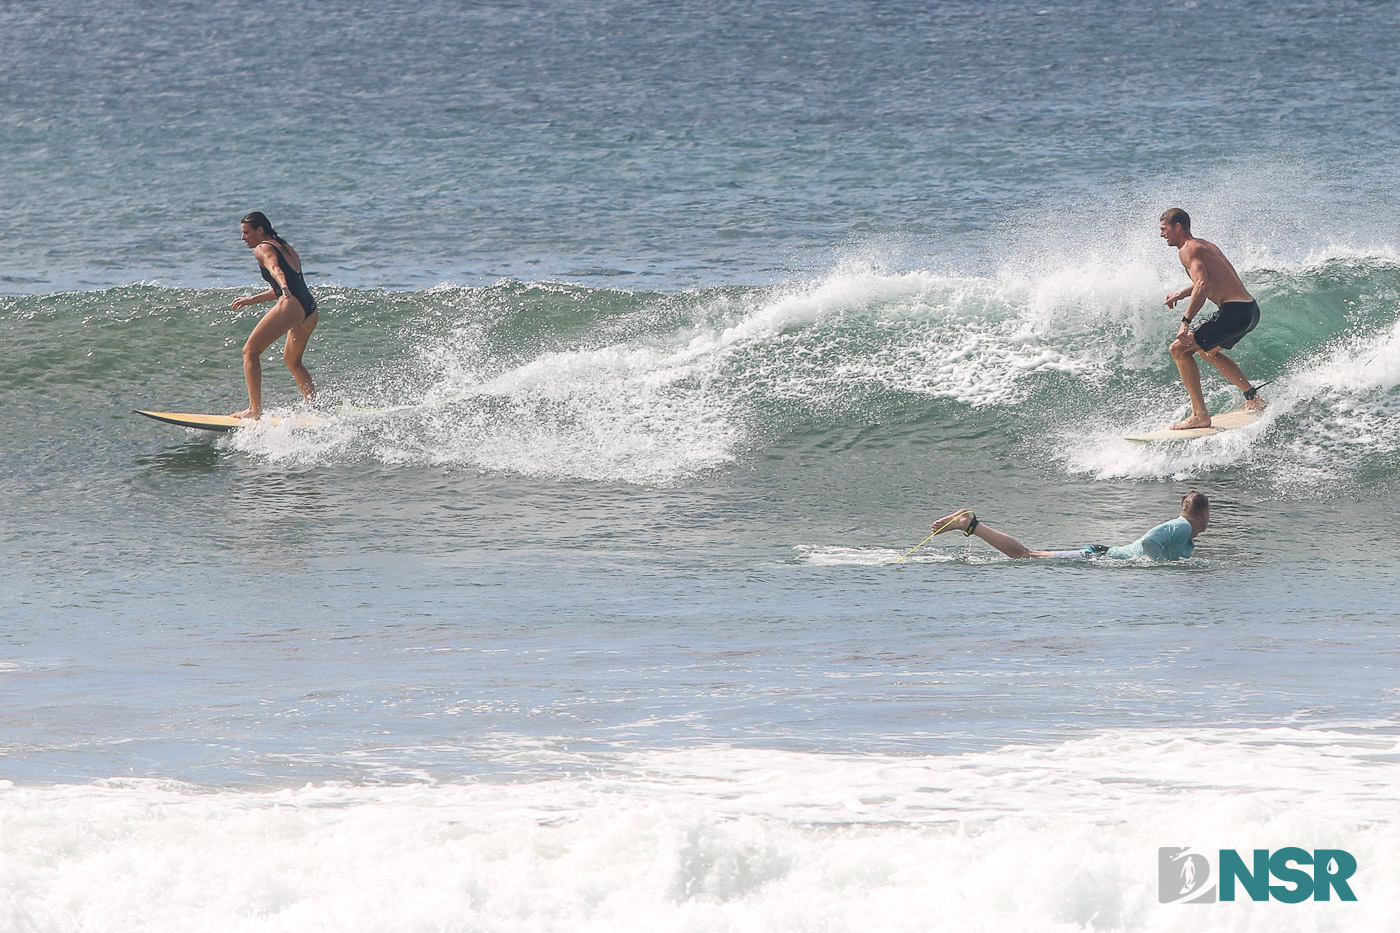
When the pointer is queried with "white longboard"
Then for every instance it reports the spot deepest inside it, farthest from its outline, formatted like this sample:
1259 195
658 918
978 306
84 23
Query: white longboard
203 422
1227 421
228 422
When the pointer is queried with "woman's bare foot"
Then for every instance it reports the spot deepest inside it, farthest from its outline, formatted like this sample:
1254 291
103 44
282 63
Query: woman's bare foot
247 414
956 521
1195 421
1255 404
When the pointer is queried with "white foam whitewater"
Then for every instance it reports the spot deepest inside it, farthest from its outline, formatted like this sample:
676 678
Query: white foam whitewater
1059 837
652 408
659 405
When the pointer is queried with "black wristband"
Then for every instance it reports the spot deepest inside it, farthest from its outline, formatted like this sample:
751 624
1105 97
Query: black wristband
1185 319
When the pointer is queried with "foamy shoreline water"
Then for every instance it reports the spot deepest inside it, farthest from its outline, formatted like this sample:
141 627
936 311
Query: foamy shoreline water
1059 837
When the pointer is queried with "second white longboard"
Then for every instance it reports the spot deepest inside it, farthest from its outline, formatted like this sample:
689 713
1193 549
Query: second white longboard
203 422
1226 421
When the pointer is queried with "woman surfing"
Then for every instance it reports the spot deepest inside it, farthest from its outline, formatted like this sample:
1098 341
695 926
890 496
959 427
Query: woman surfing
294 314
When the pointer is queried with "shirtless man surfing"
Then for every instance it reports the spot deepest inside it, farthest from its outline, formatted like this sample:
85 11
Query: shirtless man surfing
1214 279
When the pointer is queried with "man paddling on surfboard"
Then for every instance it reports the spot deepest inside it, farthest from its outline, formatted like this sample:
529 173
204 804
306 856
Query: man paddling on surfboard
1173 540
1213 279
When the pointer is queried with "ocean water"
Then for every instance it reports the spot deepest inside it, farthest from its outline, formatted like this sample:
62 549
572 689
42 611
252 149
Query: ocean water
652 337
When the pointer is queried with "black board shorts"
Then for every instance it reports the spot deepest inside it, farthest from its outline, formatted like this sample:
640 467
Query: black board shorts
1228 325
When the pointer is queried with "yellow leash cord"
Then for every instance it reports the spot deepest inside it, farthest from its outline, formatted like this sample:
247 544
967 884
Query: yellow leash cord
939 531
